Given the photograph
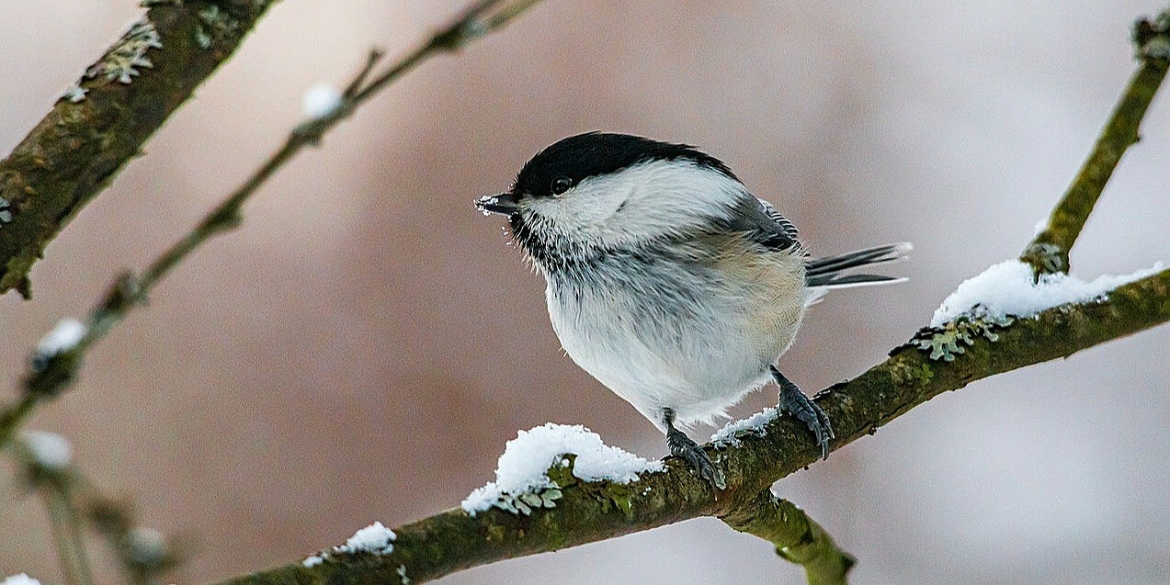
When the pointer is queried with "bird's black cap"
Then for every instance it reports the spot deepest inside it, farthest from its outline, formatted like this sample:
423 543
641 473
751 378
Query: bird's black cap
599 153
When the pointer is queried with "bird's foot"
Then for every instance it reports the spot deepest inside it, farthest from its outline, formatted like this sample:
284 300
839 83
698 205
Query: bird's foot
794 402
682 446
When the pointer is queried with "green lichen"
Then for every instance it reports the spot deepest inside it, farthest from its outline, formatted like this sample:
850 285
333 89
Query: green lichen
559 475
1151 39
1047 258
214 24
122 62
525 503
948 341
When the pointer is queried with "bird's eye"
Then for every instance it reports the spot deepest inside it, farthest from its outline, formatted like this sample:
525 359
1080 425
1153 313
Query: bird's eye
561 184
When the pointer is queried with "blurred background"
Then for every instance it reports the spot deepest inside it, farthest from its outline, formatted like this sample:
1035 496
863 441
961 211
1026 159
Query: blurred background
362 348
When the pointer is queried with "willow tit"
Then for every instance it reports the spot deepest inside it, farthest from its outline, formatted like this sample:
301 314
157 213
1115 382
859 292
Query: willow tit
668 281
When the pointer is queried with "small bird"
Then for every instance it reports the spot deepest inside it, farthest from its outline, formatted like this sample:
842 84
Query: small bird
668 281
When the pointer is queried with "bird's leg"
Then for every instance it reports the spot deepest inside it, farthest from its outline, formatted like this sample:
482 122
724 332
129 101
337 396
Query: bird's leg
793 401
682 446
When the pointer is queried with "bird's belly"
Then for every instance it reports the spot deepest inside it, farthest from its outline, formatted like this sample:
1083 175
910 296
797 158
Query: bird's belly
697 353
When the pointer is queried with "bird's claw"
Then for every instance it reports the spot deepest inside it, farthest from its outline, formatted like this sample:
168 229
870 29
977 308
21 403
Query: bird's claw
794 402
683 447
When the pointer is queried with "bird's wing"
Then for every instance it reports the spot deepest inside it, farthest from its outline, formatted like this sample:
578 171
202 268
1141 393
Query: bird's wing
782 222
765 225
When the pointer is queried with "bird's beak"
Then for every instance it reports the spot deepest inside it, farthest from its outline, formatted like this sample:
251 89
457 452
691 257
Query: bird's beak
503 204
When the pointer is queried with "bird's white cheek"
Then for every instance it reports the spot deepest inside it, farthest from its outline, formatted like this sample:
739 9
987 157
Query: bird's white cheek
578 212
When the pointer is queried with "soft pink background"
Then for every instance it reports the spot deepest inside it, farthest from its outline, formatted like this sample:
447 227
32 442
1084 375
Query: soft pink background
364 345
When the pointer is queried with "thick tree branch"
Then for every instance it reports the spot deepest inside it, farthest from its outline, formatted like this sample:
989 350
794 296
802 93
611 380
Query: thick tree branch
1048 252
105 118
589 512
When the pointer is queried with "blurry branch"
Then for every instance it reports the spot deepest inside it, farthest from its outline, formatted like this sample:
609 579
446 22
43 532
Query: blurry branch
105 117
47 380
65 520
73 502
587 512
102 121
1048 252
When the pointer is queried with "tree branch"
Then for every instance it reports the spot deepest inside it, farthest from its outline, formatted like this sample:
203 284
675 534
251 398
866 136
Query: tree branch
590 512
797 537
104 119
47 380
1048 252
73 502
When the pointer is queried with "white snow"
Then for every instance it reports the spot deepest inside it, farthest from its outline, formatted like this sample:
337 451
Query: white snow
754 423
1007 289
522 467
64 337
374 538
20 579
50 450
320 100
146 545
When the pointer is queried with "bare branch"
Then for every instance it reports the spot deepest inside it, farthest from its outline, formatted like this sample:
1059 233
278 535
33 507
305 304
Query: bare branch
797 537
1048 252
74 503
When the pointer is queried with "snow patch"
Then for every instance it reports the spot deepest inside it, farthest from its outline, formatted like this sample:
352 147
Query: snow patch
754 423
1007 289
320 100
374 538
20 579
64 337
521 469
49 450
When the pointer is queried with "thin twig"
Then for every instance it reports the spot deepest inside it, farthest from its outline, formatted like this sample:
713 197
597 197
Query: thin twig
1048 252
74 563
74 502
128 291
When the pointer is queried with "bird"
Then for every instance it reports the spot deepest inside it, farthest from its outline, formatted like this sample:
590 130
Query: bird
668 281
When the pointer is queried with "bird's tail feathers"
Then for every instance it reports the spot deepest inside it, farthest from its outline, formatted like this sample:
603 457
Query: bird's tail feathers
828 273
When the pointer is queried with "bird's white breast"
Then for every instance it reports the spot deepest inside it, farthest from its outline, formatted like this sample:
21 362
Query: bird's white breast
690 333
